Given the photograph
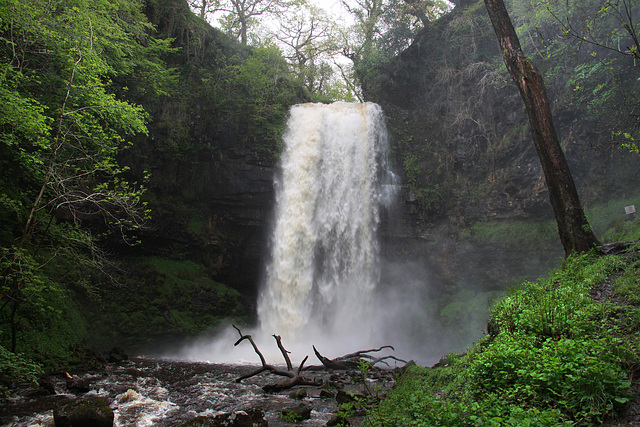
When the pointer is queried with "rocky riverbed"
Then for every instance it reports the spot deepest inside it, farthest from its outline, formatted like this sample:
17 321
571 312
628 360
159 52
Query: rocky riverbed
156 392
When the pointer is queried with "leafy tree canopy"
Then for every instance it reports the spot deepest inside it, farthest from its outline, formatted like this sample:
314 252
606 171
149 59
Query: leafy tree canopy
65 66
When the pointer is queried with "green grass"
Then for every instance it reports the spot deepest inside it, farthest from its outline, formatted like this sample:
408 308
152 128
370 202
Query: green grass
510 233
554 356
605 218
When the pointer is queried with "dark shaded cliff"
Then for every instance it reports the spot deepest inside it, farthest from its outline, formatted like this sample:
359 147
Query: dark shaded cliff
461 132
210 157
461 136
213 147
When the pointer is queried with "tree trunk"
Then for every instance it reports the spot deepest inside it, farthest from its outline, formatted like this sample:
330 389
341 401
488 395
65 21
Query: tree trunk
575 233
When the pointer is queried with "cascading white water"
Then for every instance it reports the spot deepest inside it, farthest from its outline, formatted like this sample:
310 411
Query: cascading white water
324 263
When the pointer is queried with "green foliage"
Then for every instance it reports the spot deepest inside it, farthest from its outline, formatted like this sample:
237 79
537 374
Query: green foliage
581 377
463 314
291 417
75 74
623 230
598 81
609 220
65 120
429 198
46 318
559 306
536 234
230 95
554 357
262 89
16 367
627 285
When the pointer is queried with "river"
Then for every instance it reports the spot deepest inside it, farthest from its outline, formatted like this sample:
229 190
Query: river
156 392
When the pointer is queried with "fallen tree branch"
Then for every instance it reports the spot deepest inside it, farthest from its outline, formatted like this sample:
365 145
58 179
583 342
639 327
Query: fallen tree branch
296 379
353 360
284 352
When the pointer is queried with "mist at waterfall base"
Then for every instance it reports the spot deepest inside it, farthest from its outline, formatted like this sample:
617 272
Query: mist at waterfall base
322 279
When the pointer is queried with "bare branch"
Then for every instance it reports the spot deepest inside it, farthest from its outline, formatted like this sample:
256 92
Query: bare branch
296 379
284 352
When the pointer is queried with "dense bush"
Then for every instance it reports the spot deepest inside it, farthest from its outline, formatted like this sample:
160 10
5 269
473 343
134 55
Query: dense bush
16 367
554 356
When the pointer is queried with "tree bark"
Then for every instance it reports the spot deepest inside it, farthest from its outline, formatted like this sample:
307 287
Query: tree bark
575 232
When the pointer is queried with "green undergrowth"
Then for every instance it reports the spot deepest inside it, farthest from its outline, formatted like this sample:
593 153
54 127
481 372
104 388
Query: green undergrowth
609 221
622 230
15 366
557 353
538 235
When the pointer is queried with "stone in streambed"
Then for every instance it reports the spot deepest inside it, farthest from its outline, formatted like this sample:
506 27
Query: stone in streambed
297 413
88 412
78 385
298 394
117 355
326 394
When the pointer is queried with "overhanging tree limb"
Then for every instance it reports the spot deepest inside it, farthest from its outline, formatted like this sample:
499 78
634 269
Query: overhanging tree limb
575 232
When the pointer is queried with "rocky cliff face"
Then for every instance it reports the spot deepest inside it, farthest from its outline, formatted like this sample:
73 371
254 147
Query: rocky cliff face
211 155
215 212
455 112
475 206
211 151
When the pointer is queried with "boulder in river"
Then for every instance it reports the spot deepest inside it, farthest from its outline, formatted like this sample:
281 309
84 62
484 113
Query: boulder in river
117 355
78 385
88 412
297 413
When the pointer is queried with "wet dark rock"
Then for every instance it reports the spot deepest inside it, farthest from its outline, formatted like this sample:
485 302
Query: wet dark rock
326 394
340 378
78 385
47 385
150 386
117 355
89 412
338 420
87 358
202 422
344 397
298 394
400 371
297 413
45 388
257 417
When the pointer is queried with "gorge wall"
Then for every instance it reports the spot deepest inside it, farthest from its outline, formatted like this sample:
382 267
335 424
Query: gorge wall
471 173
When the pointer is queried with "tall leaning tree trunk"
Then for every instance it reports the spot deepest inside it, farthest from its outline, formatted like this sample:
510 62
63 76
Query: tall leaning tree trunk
575 233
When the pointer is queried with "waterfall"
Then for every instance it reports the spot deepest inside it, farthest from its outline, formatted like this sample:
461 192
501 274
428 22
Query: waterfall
324 263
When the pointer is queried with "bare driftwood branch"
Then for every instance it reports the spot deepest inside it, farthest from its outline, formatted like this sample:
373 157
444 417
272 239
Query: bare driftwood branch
284 352
353 360
296 379
348 361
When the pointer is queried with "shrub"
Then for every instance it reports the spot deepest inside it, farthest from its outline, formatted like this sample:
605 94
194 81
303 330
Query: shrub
580 377
555 357
16 367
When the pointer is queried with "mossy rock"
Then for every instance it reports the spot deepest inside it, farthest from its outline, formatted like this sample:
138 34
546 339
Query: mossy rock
296 414
89 412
